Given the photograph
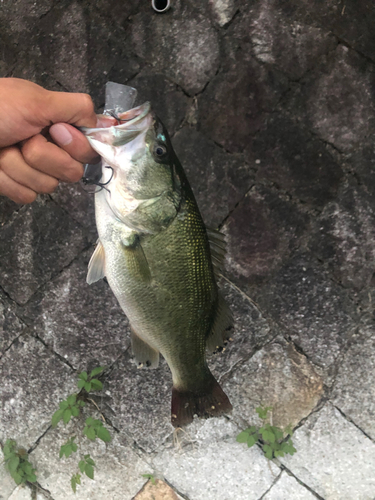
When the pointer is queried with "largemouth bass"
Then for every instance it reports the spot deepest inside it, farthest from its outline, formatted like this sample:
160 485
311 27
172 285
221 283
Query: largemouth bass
159 259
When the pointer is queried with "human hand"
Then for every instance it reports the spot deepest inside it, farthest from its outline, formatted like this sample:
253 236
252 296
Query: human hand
29 163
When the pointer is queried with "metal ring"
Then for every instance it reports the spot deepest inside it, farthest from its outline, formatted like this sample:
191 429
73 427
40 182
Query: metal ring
160 6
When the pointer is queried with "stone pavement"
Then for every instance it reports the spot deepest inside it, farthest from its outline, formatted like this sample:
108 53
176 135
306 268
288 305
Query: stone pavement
271 107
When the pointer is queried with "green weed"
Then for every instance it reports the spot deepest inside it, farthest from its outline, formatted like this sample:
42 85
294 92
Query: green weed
68 448
17 463
274 441
94 428
150 477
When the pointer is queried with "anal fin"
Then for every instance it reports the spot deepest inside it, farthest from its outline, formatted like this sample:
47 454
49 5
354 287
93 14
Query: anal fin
96 265
144 354
223 324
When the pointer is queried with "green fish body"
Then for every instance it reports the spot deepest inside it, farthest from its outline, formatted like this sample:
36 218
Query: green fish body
157 256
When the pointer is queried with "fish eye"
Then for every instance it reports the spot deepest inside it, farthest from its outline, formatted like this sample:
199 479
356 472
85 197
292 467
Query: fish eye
160 150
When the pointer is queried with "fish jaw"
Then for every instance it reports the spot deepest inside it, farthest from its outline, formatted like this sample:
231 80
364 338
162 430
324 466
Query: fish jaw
121 146
133 119
119 143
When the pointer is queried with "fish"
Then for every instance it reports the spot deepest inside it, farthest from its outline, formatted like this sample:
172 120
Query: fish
160 260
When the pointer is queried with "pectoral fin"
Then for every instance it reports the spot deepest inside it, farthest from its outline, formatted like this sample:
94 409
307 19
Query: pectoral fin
136 261
96 270
145 355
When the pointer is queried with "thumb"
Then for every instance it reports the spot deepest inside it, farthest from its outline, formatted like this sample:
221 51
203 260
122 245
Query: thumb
73 142
66 107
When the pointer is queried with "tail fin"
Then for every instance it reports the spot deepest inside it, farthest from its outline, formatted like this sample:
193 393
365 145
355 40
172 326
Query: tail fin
212 403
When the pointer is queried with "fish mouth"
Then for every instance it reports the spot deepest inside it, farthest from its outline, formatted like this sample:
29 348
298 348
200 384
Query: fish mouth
135 115
132 123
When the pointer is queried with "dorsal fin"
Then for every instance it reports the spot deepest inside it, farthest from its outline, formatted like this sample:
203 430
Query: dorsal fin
223 324
96 265
217 243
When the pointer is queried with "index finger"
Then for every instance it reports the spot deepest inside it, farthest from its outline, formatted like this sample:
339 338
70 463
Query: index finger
77 109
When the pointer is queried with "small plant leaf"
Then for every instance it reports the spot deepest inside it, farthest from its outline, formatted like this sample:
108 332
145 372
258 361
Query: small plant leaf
242 437
288 447
63 404
56 417
89 471
97 423
150 477
17 477
83 376
88 386
73 483
7 449
267 451
278 453
71 399
82 465
90 433
103 434
276 446
67 449
75 411
271 437
81 384
89 421
96 371
90 461
251 440
31 478
67 415
278 433
262 412
265 433
28 468
13 464
96 385
76 479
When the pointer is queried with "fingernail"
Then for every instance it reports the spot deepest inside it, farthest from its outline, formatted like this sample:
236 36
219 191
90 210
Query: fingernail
60 134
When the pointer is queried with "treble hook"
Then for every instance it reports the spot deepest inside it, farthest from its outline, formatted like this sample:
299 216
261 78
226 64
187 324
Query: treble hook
102 185
116 117
105 183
